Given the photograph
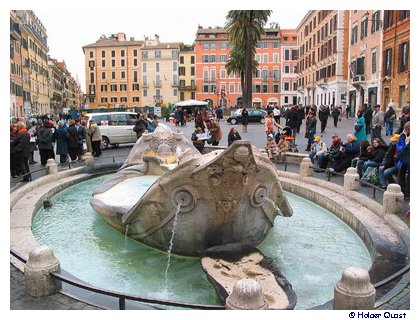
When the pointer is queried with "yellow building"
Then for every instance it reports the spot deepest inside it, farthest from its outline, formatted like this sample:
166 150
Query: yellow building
38 60
186 71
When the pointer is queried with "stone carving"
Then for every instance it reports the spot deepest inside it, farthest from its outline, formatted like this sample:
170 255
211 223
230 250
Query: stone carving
220 197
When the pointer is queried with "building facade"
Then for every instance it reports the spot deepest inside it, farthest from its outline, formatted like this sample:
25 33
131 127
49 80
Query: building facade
186 72
365 59
323 65
16 74
289 68
37 48
396 59
215 85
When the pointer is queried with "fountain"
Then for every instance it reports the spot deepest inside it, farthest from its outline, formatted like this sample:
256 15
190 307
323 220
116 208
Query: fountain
310 258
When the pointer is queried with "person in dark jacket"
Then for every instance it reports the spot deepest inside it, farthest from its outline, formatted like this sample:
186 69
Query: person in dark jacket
73 141
23 150
389 121
302 115
310 129
333 153
376 154
367 114
81 134
335 113
60 137
198 143
245 117
388 166
45 146
358 162
13 156
349 150
140 125
403 160
233 136
323 115
293 119
404 119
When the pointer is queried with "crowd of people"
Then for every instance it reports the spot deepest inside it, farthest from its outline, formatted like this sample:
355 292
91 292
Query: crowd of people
71 139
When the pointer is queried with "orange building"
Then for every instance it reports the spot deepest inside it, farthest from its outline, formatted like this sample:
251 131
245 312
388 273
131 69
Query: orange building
215 85
396 58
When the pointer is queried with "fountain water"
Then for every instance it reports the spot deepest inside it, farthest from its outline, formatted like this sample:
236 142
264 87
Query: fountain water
171 243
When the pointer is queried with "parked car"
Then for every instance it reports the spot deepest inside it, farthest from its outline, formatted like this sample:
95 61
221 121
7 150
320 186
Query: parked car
116 127
254 115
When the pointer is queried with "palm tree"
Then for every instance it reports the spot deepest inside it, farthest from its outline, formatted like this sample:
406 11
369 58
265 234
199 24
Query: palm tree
245 28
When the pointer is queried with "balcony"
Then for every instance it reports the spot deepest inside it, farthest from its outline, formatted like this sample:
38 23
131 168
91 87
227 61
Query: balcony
358 79
145 85
157 84
175 83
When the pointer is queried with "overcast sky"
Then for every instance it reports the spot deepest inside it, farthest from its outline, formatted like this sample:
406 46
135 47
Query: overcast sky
69 32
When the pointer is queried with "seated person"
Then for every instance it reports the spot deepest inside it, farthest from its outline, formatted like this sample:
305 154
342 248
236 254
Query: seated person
389 165
283 146
233 136
271 147
333 153
318 150
199 144
376 154
358 162
349 150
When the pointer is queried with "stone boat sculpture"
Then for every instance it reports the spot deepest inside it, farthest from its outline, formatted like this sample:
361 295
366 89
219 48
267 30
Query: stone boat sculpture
226 196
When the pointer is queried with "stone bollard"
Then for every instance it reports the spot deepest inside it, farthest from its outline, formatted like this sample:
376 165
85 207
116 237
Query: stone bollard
354 291
350 183
246 295
52 166
37 278
393 200
88 160
305 168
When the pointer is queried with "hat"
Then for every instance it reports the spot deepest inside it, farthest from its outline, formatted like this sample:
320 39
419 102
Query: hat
317 138
51 123
395 137
270 136
334 135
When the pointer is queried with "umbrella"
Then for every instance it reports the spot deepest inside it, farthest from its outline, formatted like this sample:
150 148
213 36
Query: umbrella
191 103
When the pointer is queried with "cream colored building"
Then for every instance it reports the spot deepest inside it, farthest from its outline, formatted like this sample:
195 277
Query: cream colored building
323 66
186 71
38 61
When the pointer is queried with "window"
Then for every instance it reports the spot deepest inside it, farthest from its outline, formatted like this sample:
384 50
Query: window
275 57
104 99
103 54
175 79
123 123
264 88
403 57
388 19
113 63
181 71
113 53
276 74
222 73
113 99
91 63
113 87
123 87
265 57
206 88
286 55
103 75
174 53
157 54
135 52
144 93
295 54
104 88
286 86
157 67
231 88
193 71
113 75
205 46
354 35
286 69
175 92
103 63
363 29
403 14
264 75
122 53
122 63
205 58
294 85
136 87
144 67
92 77
181 60
123 74
174 66
373 61
135 62
144 54
295 68
136 99
276 45
192 59
212 58
91 54
223 58
387 62
375 22
213 46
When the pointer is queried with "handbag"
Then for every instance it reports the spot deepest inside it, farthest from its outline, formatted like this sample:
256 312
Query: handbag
357 128
84 146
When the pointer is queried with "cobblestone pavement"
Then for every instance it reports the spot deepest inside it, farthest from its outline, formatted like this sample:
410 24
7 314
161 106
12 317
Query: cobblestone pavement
20 300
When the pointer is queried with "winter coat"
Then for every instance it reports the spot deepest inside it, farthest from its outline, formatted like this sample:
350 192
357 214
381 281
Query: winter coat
45 138
293 118
61 136
95 132
245 116
390 155
367 114
233 137
73 140
377 154
378 119
13 141
215 131
23 145
361 134
403 148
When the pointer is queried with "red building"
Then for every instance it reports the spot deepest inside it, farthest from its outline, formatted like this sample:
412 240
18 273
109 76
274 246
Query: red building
216 86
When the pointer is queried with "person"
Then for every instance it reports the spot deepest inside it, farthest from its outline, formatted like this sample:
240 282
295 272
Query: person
198 121
318 151
360 127
61 137
333 153
271 147
96 137
276 113
310 129
301 111
72 141
245 116
347 111
323 117
269 123
376 154
139 127
233 136
377 124
404 119
357 162
13 157
46 150
32 133
198 143
219 114
215 131
293 119
403 160
81 134
389 166
349 150
88 140
335 113
389 121
23 149
367 114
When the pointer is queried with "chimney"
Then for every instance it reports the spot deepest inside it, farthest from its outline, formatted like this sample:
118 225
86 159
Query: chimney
121 36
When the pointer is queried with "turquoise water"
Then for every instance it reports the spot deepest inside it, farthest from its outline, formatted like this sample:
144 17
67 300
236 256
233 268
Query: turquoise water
312 249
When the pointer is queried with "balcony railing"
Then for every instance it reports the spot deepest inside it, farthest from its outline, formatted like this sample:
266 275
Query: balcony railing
157 84
145 85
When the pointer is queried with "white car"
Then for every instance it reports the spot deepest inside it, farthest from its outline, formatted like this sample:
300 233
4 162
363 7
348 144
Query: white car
116 127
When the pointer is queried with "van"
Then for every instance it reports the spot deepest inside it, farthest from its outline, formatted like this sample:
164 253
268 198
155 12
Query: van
116 127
